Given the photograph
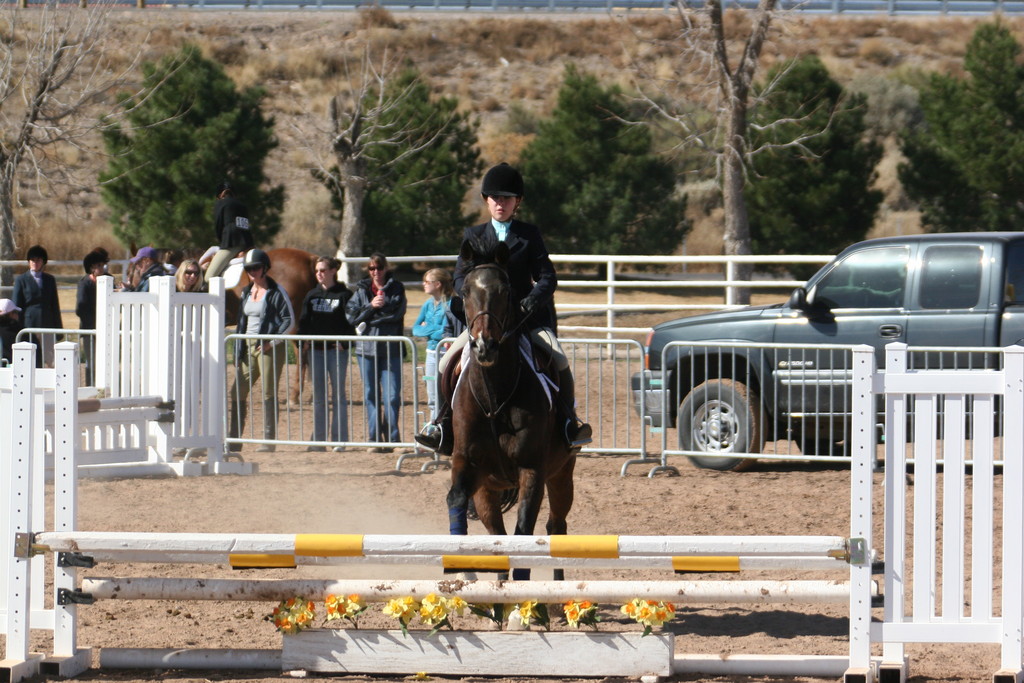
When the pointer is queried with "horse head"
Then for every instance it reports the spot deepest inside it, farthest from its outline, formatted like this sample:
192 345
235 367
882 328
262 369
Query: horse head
487 296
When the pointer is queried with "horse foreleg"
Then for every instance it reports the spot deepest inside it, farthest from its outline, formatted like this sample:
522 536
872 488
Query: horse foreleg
488 510
458 499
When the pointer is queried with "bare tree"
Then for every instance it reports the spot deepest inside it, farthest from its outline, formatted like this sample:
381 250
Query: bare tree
363 129
57 64
719 76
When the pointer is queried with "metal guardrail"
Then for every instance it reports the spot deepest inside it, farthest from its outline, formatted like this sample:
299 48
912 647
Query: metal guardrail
736 402
855 7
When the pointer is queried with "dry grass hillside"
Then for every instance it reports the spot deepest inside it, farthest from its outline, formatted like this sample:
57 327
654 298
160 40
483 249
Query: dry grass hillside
489 62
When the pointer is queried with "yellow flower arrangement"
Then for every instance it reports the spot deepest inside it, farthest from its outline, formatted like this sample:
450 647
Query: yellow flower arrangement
649 613
531 612
581 613
293 615
403 609
347 607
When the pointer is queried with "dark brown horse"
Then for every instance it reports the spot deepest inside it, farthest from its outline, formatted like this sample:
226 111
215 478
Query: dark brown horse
505 426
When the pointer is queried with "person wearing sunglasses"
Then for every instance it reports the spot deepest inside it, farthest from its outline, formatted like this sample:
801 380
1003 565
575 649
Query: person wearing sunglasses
323 314
377 308
265 309
189 277
533 280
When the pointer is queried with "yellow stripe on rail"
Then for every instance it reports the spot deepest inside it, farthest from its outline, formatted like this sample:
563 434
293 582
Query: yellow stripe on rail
708 563
261 561
482 563
584 546
329 545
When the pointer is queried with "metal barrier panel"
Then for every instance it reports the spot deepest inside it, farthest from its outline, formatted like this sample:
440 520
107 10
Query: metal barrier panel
274 403
308 412
733 402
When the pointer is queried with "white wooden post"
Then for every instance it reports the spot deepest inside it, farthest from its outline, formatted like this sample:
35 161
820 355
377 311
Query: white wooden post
1013 515
68 660
861 495
18 472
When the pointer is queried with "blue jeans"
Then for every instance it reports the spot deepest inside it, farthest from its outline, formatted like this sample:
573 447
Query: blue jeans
431 378
329 364
382 387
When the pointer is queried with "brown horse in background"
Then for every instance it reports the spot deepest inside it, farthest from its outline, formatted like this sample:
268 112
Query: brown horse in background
505 425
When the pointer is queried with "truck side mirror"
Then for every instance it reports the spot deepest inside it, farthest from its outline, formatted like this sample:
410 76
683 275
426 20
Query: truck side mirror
798 299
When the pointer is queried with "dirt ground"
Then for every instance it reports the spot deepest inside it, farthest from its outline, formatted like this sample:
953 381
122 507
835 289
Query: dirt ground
361 492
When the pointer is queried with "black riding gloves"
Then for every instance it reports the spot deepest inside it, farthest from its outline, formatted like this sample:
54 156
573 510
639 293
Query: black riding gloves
528 305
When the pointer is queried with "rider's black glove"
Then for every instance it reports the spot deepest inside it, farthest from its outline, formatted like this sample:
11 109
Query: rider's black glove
528 305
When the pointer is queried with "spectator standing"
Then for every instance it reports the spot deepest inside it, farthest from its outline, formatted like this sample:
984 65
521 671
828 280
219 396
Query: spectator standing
231 223
95 265
323 314
189 277
265 309
10 325
377 308
35 293
146 263
430 324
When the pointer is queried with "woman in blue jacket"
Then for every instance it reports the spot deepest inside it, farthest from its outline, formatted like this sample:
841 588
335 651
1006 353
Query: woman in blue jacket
430 324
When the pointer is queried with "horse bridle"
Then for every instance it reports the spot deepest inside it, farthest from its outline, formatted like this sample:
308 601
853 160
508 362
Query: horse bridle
506 331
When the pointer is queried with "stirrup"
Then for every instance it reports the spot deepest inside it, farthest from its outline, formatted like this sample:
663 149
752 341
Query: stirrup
578 434
430 436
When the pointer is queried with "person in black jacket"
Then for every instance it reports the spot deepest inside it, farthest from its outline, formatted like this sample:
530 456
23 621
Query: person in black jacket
95 265
533 280
35 293
265 309
231 223
323 314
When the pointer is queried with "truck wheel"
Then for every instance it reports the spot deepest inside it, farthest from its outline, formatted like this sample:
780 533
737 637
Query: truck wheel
721 416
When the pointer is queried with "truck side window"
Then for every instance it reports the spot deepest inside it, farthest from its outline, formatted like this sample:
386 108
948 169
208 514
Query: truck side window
951 276
873 278
1015 273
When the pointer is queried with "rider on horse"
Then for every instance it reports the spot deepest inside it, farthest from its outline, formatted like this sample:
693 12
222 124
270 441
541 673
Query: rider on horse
533 281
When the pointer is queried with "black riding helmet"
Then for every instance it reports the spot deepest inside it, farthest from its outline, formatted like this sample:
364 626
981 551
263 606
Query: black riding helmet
503 181
256 257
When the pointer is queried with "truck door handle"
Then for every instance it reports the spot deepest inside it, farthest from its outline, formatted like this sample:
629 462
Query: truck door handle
890 331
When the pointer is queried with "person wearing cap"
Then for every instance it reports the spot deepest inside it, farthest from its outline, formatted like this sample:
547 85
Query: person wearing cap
265 309
231 223
10 325
95 264
533 280
148 265
35 293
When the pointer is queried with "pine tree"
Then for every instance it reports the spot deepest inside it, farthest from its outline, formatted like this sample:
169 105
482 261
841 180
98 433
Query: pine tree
965 165
189 130
814 196
592 183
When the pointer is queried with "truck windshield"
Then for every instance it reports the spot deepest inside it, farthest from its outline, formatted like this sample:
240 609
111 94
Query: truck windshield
872 278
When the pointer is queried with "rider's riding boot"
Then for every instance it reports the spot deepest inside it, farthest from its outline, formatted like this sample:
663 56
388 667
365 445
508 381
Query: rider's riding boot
437 435
236 421
269 425
577 433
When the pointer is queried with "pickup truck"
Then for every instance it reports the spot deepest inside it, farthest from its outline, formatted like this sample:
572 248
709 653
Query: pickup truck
743 377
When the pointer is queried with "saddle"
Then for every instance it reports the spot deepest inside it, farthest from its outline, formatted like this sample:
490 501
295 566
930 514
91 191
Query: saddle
541 361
